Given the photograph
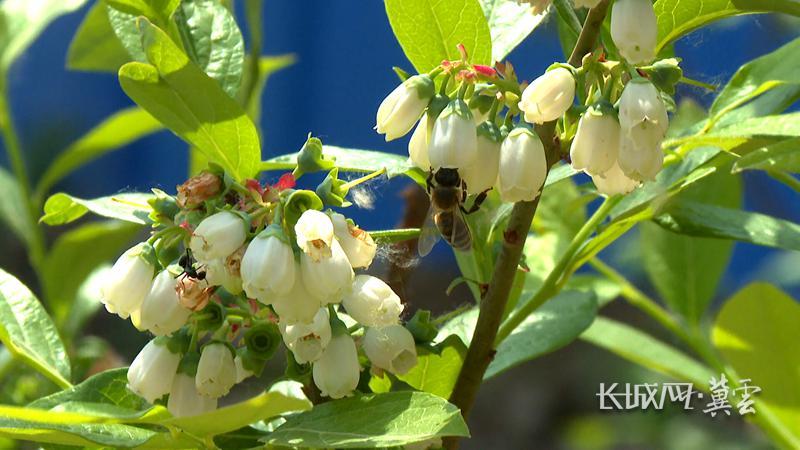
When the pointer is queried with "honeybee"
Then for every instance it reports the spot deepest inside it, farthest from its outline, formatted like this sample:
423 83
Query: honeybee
445 218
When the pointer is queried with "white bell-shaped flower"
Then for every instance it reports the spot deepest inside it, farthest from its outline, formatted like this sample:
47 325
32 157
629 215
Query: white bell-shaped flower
337 371
641 163
454 140
418 145
327 278
523 166
216 371
128 281
357 244
151 372
634 30
298 305
401 109
307 340
549 96
218 236
161 312
185 401
586 3
372 303
614 181
268 267
391 348
596 144
314 231
482 174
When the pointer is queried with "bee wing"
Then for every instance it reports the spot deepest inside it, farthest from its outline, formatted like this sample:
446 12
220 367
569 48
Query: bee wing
461 229
429 235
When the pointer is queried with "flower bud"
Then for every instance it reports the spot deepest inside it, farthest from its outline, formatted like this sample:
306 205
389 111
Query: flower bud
216 371
586 3
418 145
549 96
314 231
298 305
372 303
391 348
482 174
357 244
337 371
523 166
330 276
161 312
184 400
307 340
193 294
401 109
614 181
596 144
198 189
332 191
152 371
454 141
129 281
218 236
639 162
634 30
268 266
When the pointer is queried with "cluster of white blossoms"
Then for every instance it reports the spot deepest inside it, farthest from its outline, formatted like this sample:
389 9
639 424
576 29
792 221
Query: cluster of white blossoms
618 140
260 266
451 135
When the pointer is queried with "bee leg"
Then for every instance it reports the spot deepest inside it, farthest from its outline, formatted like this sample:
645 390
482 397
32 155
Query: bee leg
476 205
429 181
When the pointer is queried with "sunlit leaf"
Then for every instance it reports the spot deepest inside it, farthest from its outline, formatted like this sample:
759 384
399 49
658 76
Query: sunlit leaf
131 207
509 24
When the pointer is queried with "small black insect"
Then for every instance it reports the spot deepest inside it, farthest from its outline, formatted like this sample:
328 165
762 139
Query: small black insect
187 264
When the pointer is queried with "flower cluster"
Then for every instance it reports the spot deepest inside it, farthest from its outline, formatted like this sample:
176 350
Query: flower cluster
615 134
461 130
230 271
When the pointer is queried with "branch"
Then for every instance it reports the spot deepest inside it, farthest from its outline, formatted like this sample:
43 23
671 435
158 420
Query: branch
493 304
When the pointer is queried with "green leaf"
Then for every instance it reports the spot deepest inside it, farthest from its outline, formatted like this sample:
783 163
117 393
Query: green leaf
105 388
429 31
117 131
69 429
602 288
701 219
23 21
349 160
436 372
686 270
223 420
679 17
159 11
777 69
557 323
12 207
784 156
95 46
757 333
87 301
368 421
641 348
213 41
29 333
509 24
124 26
131 207
213 122
74 255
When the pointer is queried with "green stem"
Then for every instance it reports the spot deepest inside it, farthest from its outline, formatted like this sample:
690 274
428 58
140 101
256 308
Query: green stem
552 284
393 236
363 179
14 151
567 13
640 300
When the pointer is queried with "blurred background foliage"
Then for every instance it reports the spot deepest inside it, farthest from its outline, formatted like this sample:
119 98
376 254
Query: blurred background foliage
343 53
